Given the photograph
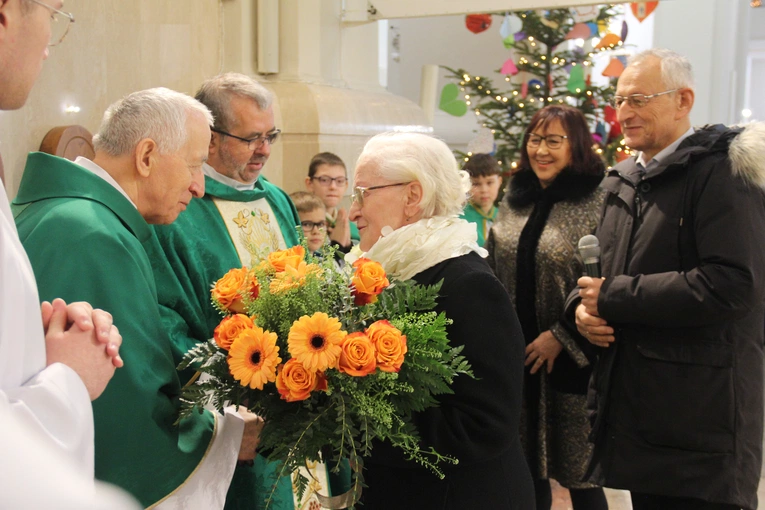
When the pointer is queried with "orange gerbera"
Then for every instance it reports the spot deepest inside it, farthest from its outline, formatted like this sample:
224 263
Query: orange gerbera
292 277
315 341
253 358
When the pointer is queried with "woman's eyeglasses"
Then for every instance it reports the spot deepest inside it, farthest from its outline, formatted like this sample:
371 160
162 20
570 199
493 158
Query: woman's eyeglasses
552 141
359 192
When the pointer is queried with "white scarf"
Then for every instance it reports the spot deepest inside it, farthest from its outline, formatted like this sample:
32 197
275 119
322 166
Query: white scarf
411 249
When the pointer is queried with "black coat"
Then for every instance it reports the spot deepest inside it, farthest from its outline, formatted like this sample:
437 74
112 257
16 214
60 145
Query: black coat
678 398
478 424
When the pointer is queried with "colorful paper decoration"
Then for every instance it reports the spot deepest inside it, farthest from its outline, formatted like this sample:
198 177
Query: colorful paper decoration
450 101
524 90
483 143
576 79
642 10
602 26
609 115
625 31
583 14
600 132
478 23
548 23
593 29
550 82
608 41
508 42
509 67
534 83
614 68
510 25
579 31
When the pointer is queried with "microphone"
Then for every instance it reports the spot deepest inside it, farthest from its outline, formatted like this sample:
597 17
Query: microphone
589 249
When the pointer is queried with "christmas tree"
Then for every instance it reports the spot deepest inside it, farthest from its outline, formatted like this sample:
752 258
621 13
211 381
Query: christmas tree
544 71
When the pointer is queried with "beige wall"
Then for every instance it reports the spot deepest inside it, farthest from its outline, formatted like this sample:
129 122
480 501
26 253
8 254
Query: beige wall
328 97
115 47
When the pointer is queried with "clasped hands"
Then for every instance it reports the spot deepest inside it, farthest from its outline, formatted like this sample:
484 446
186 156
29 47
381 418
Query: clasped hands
84 339
588 321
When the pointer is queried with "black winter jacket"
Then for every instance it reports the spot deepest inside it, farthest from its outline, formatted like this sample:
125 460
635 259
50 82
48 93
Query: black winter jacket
677 400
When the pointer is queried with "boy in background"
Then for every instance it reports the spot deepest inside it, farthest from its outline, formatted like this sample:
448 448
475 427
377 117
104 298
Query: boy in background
328 180
312 218
486 180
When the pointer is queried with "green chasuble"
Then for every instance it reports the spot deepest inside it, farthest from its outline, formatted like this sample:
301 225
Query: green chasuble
226 228
482 221
85 241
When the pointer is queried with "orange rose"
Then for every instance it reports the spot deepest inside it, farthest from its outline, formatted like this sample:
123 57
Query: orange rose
390 345
357 357
296 383
368 281
283 258
228 291
229 328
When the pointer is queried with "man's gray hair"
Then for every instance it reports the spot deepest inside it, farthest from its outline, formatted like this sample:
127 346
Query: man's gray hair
676 70
159 114
407 157
217 92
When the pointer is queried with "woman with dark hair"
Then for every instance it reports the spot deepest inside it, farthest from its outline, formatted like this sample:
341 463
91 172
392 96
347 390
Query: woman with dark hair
552 201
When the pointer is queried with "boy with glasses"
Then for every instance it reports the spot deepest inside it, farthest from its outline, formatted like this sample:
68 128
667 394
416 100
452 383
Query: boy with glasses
328 180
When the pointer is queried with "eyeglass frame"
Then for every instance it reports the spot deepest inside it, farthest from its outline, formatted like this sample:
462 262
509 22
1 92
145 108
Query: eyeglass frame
359 191
321 225
631 98
544 139
331 180
53 11
259 140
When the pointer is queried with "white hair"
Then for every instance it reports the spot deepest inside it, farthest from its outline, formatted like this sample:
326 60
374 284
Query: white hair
217 92
676 70
159 114
404 157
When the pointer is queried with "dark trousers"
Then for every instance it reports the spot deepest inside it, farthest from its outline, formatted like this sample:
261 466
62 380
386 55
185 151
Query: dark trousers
653 502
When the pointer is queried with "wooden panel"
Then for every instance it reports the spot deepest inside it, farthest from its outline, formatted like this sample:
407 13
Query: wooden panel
68 142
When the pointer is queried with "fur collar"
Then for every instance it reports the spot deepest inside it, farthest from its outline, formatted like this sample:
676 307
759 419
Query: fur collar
526 190
747 154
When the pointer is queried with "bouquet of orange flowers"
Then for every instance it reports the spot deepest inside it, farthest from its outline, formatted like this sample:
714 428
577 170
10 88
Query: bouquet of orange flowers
331 359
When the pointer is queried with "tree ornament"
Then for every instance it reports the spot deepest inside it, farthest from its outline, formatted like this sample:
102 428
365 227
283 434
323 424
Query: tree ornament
478 23
614 68
510 25
583 14
576 80
579 31
509 67
609 41
642 10
625 31
483 143
450 101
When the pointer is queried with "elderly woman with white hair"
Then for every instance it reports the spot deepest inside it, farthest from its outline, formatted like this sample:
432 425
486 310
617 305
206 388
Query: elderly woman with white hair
407 196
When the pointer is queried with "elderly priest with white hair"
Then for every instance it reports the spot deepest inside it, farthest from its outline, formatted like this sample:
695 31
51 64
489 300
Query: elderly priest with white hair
84 226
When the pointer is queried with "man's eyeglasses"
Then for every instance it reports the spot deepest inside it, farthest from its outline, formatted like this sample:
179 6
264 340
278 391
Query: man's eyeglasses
359 192
327 181
253 143
637 100
60 23
308 226
552 141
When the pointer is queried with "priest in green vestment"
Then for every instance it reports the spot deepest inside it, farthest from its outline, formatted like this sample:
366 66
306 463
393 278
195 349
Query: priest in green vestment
84 226
241 219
